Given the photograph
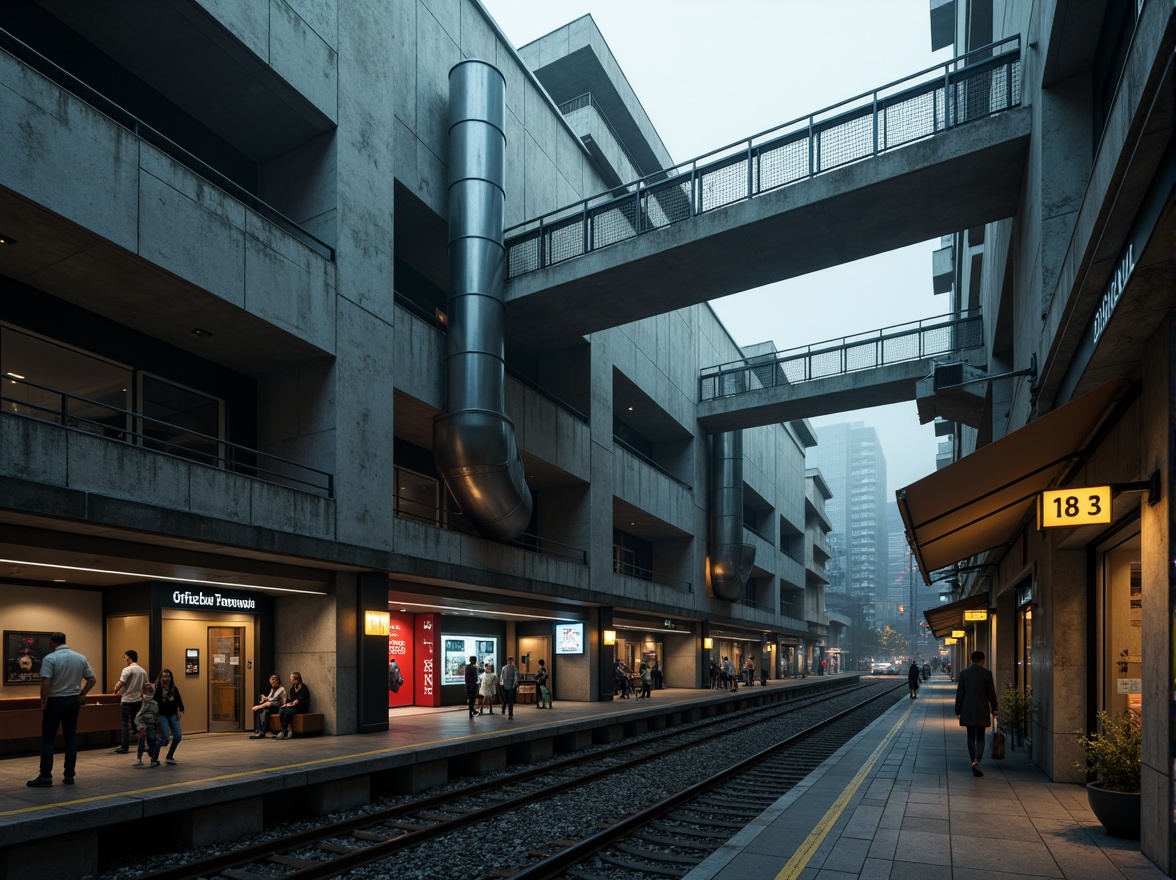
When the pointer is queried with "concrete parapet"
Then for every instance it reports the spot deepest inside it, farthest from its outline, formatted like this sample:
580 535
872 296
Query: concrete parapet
636 727
413 779
609 733
530 751
478 763
220 822
567 743
72 855
337 794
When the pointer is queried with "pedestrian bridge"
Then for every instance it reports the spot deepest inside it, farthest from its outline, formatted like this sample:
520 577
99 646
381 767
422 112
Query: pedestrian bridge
936 152
854 372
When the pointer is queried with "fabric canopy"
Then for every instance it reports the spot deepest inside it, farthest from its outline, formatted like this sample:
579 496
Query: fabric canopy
944 618
980 501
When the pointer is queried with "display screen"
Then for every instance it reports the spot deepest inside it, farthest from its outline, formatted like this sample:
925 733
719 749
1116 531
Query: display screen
457 653
569 638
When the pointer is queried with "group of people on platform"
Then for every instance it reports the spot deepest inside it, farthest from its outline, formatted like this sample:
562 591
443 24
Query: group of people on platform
148 711
649 674
287 704
485 687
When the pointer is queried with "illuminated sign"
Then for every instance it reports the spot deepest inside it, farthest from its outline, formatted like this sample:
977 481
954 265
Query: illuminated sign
975 616
1074 507
949 641
569 638
958 633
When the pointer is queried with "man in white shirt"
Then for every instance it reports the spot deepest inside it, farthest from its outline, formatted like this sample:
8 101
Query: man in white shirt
130 685
62 696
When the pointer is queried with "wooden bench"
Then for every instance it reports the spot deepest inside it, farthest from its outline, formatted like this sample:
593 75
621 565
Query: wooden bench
20 717
304 724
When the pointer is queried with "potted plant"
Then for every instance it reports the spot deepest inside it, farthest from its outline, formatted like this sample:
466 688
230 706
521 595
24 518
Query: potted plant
1115 757
1016 713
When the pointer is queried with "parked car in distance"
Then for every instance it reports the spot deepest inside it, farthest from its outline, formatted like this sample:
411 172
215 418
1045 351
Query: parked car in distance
882 667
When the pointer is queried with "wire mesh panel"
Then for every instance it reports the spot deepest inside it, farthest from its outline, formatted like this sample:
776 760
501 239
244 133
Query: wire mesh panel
522 254
846 139
782 162
665 203
910 119
904 347
613 222
795 369
563 240
825 363
722 183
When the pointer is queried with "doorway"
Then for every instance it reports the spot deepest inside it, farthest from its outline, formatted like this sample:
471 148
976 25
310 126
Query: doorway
226 684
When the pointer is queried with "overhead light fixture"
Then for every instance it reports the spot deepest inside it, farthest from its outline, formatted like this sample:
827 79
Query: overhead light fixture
610 636
161 577
630 409
201 332
14 375
7 239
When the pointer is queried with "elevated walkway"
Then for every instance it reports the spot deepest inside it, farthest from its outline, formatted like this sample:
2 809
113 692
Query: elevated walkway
939 151
870 369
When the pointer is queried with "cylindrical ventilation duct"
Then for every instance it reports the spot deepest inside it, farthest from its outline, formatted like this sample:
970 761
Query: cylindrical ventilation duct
474 443
730 558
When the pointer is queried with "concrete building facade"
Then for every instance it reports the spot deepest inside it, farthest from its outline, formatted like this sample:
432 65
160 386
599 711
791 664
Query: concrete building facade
225 327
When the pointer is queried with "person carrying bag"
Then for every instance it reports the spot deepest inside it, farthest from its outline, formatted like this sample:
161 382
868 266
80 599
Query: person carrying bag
998 740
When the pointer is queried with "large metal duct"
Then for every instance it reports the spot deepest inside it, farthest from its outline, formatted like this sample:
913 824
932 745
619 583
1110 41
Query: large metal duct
474 443
730 558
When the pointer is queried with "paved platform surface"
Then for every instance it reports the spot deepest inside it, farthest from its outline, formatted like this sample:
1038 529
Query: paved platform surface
900 802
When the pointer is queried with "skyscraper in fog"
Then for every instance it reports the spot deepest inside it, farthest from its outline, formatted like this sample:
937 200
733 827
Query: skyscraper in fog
850 457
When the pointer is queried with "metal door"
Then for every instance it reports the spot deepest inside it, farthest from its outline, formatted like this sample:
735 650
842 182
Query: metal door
226 684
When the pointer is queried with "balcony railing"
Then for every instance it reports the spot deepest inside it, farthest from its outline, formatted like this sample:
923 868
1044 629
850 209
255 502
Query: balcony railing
899 343
76 413
452 520
637 453
967 88
648 574
89 95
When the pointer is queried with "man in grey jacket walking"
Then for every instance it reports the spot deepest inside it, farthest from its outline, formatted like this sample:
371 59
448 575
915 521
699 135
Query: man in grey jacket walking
975 704
508 680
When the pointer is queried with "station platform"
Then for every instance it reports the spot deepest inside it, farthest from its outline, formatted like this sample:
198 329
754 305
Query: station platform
900 801
226 785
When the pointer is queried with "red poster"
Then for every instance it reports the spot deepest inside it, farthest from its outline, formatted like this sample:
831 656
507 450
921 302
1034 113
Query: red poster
400 644
426 675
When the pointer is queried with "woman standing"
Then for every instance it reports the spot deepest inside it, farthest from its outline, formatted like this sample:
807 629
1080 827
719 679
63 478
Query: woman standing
542 688
299 703
486 688
171 710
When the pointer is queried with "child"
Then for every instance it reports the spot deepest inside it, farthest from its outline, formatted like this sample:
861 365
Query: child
486 688
148 721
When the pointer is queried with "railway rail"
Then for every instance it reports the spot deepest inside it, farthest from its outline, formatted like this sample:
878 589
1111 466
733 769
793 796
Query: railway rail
662 767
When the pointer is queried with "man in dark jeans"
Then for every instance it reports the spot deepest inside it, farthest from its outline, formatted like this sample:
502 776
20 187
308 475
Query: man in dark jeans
471 683
130 685
62 695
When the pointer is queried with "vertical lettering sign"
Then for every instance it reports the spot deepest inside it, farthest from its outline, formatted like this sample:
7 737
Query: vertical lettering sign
1074 507
427 631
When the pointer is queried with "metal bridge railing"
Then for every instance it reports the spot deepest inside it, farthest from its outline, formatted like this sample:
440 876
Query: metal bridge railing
967 88
865 351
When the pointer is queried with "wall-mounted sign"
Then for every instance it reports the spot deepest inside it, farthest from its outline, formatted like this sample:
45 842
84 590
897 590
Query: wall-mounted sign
218 600
191 661
569 638
976 616
1074 507
949 641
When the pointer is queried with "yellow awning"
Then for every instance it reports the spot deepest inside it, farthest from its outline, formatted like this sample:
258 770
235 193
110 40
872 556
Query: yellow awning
944 618
980 501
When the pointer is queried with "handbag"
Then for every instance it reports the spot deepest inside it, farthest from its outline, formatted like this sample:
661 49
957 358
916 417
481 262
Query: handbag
998 744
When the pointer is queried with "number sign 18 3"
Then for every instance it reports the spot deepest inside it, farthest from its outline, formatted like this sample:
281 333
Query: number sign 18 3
1075 507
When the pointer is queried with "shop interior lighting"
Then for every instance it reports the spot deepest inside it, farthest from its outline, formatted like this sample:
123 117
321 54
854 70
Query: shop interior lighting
160 577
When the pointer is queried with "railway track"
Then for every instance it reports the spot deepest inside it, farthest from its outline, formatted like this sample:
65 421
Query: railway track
408 830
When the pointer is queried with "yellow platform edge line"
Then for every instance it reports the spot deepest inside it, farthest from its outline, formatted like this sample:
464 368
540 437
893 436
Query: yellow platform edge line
804 853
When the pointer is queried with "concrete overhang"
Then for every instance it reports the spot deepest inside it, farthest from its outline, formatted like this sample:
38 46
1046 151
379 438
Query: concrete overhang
962 178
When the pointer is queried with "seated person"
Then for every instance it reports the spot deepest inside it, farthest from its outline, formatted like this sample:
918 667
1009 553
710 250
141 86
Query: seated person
267 705
298 702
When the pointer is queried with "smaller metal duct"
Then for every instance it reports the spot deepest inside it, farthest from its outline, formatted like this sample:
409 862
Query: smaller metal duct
730 558
474 443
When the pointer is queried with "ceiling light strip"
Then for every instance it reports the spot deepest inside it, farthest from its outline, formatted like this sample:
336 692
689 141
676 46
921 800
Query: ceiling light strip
160 577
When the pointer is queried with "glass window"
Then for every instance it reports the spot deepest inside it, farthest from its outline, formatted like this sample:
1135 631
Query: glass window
180 421
416 497
46 380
